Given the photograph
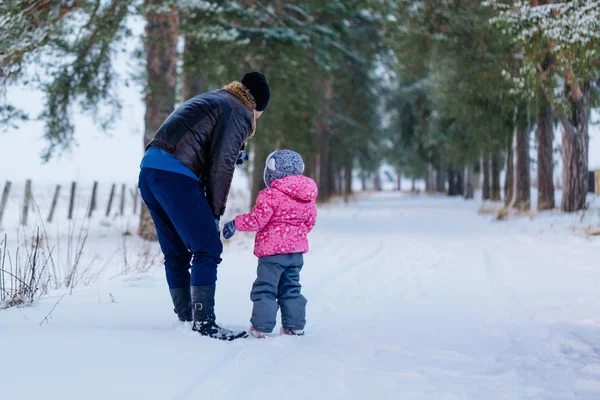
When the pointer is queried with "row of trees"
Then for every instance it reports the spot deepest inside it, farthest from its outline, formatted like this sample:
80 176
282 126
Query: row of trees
478 78
440 89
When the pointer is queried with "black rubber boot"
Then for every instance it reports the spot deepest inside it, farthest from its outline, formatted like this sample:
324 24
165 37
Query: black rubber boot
182 301
203 312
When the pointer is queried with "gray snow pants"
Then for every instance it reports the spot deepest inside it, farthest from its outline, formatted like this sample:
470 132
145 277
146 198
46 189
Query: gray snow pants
278 286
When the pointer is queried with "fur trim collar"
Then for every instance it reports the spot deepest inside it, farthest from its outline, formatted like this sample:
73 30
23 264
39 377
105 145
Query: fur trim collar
241 92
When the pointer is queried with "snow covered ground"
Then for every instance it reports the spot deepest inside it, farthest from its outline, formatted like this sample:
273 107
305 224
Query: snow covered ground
409 298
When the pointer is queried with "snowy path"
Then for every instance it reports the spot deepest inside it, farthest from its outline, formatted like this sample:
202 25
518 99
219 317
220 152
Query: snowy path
409 298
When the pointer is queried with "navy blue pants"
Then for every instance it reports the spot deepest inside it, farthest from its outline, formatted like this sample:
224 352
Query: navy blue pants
185 226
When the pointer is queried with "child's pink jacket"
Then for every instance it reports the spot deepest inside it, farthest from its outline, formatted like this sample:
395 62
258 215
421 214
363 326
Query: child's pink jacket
283 216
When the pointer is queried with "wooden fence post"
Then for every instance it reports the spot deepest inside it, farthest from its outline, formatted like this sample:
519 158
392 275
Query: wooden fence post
93 200
4 200
110 200
26 201
123 193
54 201
134 196
72 199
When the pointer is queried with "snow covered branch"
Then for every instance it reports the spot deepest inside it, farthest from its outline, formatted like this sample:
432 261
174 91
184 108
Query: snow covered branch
559 42
25 28
570 23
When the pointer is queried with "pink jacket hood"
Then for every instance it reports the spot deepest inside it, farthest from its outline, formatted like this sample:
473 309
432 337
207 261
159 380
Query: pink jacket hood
297 187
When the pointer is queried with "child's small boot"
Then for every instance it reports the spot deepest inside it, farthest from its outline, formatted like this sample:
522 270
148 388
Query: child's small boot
258 334
292 332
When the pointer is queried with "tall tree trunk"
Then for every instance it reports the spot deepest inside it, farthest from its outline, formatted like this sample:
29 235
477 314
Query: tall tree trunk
330 170
469 189
333 181
423 111
523 174
430 180
545 176
162 31
399 180
348 182
496 169
325 185
336 183
377 182
452 187
324 180
413 185
309 166
440 181
545 138
485 171
509 183
460 184
575 144
193 78
341 178
328 179
363 181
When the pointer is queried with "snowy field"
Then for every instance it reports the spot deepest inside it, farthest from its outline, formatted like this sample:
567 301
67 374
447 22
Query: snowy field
409 298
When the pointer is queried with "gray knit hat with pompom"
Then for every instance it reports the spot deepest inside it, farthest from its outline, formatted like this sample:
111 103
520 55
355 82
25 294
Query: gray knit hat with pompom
281 164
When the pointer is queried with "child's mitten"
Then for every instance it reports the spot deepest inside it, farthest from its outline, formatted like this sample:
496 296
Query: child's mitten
229 229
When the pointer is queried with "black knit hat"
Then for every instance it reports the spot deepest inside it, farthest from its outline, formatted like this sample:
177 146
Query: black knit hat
259 88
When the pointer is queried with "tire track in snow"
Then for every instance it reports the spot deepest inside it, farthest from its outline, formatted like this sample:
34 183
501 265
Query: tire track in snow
212 373
497 282
347 267
559 355
331 288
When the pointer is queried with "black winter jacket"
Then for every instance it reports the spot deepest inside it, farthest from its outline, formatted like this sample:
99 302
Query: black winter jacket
206 133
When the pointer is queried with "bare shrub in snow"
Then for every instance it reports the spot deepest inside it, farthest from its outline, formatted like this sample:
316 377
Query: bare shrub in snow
75 246
32 265
23 272
147 259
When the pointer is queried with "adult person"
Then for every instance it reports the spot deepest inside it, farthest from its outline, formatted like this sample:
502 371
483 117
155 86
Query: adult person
185 179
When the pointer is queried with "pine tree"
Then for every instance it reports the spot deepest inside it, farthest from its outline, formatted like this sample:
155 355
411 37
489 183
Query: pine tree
313 53
556 42
72 43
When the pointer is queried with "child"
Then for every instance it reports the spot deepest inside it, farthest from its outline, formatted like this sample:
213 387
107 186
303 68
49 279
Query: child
284 214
